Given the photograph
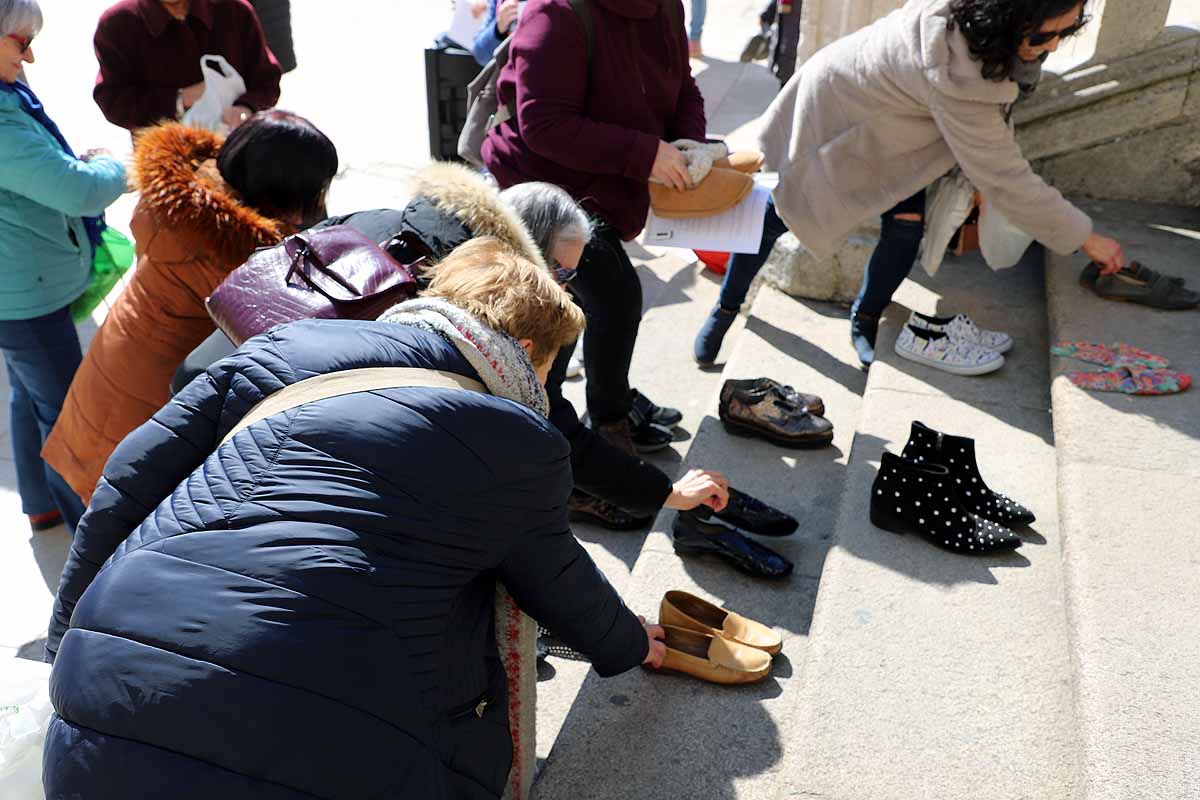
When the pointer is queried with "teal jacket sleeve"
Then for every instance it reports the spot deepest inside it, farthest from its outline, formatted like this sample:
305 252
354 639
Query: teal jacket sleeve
38 169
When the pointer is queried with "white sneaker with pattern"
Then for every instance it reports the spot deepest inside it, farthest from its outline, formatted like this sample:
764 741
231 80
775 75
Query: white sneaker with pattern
963 328
941 351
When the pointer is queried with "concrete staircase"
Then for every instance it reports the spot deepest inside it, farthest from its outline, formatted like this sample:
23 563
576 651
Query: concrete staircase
1066 670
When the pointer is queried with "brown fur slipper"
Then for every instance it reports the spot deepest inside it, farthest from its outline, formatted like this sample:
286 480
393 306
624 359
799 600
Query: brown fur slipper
720 191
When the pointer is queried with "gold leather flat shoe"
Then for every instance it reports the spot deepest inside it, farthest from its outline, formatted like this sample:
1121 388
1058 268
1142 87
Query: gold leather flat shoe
684 610
712 658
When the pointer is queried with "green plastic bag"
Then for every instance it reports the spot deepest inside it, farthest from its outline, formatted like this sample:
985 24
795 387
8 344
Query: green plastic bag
113 259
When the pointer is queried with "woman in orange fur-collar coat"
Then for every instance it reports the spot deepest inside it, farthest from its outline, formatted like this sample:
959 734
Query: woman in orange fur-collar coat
205 206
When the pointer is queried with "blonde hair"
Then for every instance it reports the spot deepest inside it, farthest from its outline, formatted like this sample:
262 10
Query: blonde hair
507 293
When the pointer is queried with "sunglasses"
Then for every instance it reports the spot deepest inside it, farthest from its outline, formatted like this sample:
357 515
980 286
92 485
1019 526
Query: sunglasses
25 41
1046 37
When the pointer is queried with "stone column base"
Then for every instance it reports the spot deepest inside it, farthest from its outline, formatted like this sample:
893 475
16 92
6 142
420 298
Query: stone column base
794 270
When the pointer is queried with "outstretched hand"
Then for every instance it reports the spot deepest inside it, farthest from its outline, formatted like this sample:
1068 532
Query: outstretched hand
654 635
1106 252
700 487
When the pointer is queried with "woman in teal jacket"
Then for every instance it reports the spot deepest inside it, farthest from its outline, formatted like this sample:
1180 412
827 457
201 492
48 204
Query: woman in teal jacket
50 206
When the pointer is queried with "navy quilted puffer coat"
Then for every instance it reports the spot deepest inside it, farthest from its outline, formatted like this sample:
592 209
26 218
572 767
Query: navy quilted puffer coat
306 611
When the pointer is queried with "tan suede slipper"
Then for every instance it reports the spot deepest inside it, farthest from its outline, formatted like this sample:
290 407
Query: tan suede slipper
720 191
747 161
712 658
684 610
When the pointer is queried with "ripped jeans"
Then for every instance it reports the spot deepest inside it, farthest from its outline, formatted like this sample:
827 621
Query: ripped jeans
899 241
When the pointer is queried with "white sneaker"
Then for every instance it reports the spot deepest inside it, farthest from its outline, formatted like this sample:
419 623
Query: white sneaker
961 327
941 351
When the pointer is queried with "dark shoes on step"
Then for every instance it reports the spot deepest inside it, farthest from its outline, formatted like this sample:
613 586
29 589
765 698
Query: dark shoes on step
864 330
693 536
957 455
584 507
771 411
646 429
751 515
935 490
712 333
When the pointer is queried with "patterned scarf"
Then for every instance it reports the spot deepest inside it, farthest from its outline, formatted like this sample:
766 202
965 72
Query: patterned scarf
505 368
502 363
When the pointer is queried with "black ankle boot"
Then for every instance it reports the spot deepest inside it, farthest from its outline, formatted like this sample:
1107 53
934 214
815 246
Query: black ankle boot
957 454
920 498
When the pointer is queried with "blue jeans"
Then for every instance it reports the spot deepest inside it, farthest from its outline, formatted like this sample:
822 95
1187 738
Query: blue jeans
699 12
743 267
889 264
41 355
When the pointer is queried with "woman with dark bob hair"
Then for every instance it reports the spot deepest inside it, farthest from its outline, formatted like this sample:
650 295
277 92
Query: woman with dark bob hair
205 206
873 119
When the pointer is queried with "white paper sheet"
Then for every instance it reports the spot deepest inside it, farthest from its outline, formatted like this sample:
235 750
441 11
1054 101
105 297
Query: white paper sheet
468 19
738 230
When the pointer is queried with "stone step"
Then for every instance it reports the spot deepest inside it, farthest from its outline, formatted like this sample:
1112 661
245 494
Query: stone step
931 674
661 735
1128 469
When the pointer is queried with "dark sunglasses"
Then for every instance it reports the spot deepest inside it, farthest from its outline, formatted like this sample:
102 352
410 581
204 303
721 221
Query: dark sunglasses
25 41
1046 37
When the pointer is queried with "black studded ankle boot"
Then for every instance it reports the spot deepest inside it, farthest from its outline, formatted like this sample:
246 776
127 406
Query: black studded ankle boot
957 454
920 498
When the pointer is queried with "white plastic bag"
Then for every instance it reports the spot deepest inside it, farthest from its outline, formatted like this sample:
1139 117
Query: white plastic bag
948 204
24 715
1001 242
222 86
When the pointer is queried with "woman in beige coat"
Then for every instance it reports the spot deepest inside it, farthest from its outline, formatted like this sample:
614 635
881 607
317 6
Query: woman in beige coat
874 118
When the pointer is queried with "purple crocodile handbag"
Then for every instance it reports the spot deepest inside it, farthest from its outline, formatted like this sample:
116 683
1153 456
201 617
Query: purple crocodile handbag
330 273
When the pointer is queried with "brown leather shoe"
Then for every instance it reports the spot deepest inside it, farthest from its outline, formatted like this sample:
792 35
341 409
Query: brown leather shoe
684 610
713 658
584 507
809 402
721 190
764 413
747 161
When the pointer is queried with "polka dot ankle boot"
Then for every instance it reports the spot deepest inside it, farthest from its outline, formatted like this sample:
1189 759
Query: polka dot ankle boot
957 454
913 497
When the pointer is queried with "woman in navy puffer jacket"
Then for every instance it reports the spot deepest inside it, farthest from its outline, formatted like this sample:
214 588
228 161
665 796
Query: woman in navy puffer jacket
306 610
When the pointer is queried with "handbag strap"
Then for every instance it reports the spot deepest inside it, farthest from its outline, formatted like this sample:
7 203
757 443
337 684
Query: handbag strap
351 381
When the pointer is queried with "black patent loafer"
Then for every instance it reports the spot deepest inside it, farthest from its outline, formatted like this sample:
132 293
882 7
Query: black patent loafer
584 507
957 454
752 515
695 537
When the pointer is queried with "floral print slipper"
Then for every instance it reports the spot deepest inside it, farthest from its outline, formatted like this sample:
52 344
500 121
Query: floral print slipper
1116 355
1131 380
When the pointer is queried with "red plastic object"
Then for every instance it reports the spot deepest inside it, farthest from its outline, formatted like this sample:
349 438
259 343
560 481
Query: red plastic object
713 260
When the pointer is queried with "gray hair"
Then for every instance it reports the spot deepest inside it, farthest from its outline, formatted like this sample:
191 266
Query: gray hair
549 213
18 16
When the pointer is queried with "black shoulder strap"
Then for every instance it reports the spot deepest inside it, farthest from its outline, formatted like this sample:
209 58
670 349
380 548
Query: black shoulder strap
584 9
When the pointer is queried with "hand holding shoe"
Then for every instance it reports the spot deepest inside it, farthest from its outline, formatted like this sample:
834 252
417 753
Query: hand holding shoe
1106 252
671 168
700 486
654 634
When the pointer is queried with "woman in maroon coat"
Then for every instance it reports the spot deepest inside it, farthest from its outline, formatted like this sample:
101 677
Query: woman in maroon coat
596 118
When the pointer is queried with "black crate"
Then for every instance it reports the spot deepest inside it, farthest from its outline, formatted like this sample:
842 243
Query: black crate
447 74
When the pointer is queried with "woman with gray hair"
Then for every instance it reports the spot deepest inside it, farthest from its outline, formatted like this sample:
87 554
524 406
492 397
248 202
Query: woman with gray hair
50 224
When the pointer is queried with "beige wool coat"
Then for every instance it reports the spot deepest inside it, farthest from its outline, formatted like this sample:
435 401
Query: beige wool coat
879 115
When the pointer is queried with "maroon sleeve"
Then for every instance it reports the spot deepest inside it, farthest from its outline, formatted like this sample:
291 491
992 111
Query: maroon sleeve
549 58
119 93
688 121
260 69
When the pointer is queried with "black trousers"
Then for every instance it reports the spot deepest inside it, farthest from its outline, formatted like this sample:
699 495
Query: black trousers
609 291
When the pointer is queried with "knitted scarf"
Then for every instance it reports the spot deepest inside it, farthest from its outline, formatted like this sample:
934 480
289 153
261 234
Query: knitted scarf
505 368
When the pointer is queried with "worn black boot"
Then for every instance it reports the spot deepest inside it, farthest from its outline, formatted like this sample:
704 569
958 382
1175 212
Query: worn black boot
921 498
957 454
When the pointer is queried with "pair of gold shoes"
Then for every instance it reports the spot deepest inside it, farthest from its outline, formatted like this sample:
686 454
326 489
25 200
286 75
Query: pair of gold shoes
714 644
726 185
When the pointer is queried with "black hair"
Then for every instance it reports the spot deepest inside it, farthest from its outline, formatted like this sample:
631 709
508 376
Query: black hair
995 29
280 163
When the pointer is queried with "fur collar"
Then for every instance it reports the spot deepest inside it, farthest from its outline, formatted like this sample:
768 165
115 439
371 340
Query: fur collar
468 197
174 169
